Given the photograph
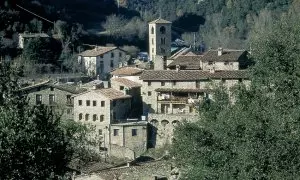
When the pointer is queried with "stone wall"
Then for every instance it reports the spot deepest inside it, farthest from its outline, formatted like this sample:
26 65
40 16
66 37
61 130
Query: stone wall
121 152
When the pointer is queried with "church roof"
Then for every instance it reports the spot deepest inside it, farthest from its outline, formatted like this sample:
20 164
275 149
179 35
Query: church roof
160 21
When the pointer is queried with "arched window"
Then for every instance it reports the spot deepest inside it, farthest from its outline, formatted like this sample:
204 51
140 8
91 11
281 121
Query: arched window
94 117
162 41
175 123
152 30
164 123
80 116
154 122
101 118
162 30
87 117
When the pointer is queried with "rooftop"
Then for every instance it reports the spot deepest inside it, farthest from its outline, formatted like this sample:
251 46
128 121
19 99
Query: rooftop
127 82
29 35
187 62
99 50
227 55
160 21
111 93
191 75
127 71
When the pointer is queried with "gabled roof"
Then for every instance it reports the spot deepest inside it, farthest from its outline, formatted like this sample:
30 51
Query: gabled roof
33 35
187 62
191 75
127 82
227 55
127 71
109 93
160 21
100 50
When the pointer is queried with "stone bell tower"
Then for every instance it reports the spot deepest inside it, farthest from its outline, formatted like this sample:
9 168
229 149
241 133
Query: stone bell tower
160 42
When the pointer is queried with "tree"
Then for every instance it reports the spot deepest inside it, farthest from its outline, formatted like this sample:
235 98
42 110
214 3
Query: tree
35 144
258 136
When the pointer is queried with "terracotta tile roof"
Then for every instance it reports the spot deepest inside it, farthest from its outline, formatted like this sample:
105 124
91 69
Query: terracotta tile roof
187 62
228 55
100 50
127 71
181 90
127 82
160 20
190 75
112 94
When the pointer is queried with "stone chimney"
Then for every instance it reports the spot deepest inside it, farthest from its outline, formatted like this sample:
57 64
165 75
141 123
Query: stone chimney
220 51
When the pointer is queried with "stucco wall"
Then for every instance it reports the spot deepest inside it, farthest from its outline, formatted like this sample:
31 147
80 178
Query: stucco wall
220 66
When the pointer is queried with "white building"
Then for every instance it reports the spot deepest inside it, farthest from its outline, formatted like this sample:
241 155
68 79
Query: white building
101 60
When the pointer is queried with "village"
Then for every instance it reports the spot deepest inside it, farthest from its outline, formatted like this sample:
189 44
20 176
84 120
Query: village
136 106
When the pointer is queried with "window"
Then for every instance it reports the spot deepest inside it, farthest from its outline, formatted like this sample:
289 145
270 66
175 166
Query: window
87 117
116 132
38 99
88 102
69 111
210 62
134 132
165 62
240 80
152 50
112 55
149 93
94 103
223 80
101 56
111 63
149 107
51 99
226 63
114 116
80 116
69 99
197 84
152 41
101 118
162 30
114 103
102 103
174 83
121 88
162 41
162 83
101 67
120 54
100 132
152 30
149 83
80 102
122 100
51 88
94 117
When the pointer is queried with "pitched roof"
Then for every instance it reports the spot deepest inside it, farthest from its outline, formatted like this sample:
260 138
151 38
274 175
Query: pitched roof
111 93
160 21
181 90
127 82
188 62
127 71
100 50
191 75
227 55
32 35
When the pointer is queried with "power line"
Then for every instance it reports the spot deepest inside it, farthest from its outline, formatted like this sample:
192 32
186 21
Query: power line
34 14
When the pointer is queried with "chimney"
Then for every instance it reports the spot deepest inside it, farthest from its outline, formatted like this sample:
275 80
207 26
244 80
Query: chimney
98 77
220 51
177 68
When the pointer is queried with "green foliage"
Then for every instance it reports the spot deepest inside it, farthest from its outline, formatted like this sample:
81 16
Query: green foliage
34 142
257 137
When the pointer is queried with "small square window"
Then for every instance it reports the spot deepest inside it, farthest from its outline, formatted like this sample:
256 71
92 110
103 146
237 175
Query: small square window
149 93
174 83
226 63
112 63
94 103
88 102
120 54
240 80
101 56
121 88
162 83
101 118
87 117
210 62
102 103
100 132
134 132
38 99
51 88
95 117
116 132
149 83
80 102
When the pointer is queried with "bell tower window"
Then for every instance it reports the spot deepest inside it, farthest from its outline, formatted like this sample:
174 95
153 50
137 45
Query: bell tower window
152 30
162 30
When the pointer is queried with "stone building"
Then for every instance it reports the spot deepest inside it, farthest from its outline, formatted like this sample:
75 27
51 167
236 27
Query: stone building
25 37
56 96
160 42
171 96
101 60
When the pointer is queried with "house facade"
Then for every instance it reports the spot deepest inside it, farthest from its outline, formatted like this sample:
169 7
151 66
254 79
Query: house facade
101 60
172 96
